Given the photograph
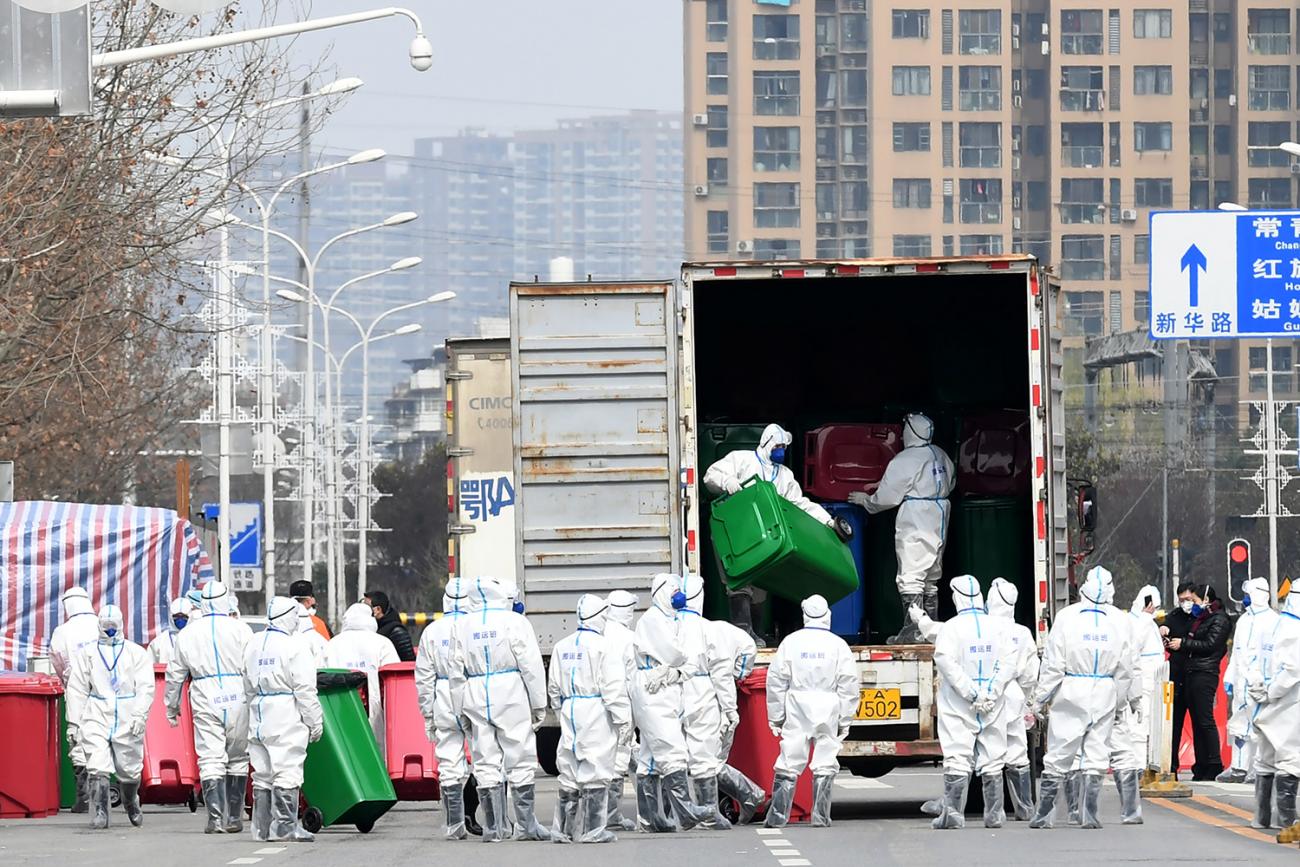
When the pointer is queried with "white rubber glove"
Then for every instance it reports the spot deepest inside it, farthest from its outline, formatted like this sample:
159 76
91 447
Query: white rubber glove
173 718
1030 719
539 717
315 734
915 612
730 719
776 726
844 730
625 735
74 733
859 498
430 730
731 486
984 706
136 730
1259 692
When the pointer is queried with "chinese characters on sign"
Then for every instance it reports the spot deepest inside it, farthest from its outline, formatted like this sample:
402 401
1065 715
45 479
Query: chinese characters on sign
484 498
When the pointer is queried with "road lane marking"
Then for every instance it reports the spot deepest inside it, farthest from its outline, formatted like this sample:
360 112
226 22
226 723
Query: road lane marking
862 783
770 832
271 850
776 843
1214 822
1226 808
786 853
794 862
244 861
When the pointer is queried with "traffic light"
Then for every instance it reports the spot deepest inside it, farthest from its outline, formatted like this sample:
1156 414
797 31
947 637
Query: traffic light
1238 567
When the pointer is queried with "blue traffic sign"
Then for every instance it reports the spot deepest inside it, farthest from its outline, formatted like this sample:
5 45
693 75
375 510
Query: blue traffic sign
245 533
1224 274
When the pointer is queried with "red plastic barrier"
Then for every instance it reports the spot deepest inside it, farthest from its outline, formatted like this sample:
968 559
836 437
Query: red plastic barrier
994 457
755 748
171 763
1186 747
29 749
842 458
408 752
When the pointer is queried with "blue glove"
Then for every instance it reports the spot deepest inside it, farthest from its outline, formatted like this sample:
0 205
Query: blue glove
1227 689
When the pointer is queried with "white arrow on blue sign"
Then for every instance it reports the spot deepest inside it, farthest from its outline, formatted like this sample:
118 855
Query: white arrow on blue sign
1218 275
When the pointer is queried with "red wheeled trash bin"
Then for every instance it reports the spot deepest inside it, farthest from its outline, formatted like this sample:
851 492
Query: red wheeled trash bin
408 753
842 458
29 748
171 763
755 748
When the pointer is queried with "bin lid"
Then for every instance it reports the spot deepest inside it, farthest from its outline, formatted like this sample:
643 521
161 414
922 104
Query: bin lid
328 679
14 682
396 668
756 682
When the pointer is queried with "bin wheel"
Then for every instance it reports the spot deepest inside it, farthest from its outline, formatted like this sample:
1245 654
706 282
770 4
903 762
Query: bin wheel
312 820
115 796
366 826
193 802
729 809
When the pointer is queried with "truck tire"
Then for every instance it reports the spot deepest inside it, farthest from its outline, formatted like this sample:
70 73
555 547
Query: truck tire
872 768
548 742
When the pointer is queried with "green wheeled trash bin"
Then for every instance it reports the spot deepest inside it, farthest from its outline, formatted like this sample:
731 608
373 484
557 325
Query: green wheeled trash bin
765 540
67 773
345 779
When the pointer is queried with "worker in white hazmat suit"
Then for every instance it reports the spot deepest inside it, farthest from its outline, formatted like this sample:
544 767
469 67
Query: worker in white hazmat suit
317 645
1274 686
730 473
444 725
1002 604
1086 673
1256 621
160 649
812 698
499 675
284 717
110 691
1128 754
728 642
918 482
621 639
359 647
210 654
661 665
587 689
708 701
976 659
78 631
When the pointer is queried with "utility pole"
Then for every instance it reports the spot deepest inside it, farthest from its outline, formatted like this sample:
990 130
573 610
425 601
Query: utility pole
1272 496
307 479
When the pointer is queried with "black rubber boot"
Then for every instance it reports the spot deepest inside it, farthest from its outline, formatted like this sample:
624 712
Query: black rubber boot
778 811
1263 802
261 815
82 802
214 799
1045 813
236 791
994 815
131 801
98 797
649 812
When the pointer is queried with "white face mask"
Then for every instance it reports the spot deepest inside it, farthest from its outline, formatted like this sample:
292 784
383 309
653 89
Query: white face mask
1186 605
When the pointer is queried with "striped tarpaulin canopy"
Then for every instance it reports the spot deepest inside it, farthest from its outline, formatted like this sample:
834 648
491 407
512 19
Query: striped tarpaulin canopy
136 558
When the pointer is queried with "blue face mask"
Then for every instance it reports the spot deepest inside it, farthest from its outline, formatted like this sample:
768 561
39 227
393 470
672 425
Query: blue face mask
778 455
111 633
179 622
1245 600
518 607
679 601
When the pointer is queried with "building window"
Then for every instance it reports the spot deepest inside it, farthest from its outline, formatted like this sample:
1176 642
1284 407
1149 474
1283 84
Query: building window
1199 140
715 20
1269 88
719 235
1152 23
911 81
826 203
1153 192
776 206
827 145
911 137
1036 192
776 93
1222 83
1036 140
981 200
853 144
980 245
911 23
853 33
1268 31
1082 88
981 31
980 88
776 37
980 145
1083 257
1083 200
1141 256
1082 145
1222 139
911 192
717 167
1268 193
1083 312
1257 359
1266 134
1142 305
1157 136
1153 80
853 88
1199 83
776 248
715 71
1080 31
715 134
856 201
911 246
776 148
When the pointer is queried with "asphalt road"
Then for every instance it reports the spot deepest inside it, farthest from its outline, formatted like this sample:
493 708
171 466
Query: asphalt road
876 823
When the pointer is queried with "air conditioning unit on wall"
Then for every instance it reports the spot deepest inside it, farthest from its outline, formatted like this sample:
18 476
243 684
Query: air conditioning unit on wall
744 247
701 190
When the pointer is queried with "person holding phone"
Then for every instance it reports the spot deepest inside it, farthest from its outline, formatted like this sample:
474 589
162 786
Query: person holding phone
1196 636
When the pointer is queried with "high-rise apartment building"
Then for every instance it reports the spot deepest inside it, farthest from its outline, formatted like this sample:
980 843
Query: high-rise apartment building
820 128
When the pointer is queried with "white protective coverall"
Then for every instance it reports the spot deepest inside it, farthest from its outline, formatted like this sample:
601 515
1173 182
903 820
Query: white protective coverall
918 481
1132 726
620 637
499 675
78 631
209 652
161 648
317 645
1275 688
1255 622
285 715
812 697
730 472
1002 604
441 711
730 642
587 689
359 647
1086 674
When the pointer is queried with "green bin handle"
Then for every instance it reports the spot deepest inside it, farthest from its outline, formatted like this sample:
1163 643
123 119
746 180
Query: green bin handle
745 484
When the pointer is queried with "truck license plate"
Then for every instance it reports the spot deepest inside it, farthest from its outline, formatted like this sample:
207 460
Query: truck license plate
880 704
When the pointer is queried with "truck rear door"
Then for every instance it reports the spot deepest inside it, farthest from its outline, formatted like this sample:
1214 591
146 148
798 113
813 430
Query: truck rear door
595 442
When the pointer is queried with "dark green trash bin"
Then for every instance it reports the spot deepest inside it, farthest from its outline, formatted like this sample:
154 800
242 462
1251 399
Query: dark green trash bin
67 775
765 540
987 539
345 779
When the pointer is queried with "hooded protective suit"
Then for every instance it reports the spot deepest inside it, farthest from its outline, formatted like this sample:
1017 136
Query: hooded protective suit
729 642
1002 604
656 688
1132 726
360 648
812 697
317 645
78 631
161 648
619 636
1274 684
285 714
918 481
730 472
709 693
1255 622
210 653
1086 673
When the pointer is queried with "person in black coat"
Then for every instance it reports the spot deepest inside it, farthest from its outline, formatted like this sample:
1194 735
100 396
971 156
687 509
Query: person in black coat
390 625
1196 636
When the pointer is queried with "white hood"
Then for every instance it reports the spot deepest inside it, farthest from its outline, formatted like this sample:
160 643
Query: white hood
1098 586
592 612
1260 593
622 607
1002 598
918 430
1139 601
816 613
966 593
773 435
282 615
358 618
